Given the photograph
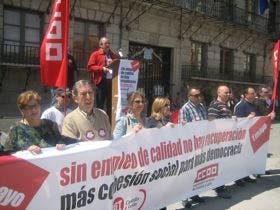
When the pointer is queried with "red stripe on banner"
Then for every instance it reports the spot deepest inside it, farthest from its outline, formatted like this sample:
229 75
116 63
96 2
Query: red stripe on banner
20 180
276 58
53 52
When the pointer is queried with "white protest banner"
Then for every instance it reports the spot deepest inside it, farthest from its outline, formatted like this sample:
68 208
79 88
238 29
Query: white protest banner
127 82
129 173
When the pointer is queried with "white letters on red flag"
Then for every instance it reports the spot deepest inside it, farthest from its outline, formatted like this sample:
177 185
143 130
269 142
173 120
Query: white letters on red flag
276 59
53 53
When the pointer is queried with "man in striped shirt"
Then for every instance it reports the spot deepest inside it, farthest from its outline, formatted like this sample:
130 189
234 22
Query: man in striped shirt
193 110
219 109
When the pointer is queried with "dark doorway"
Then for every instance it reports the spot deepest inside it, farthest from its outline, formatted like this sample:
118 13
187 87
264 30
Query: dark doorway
154 74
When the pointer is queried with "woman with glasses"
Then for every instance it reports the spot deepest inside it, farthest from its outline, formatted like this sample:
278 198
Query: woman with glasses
160 113
135 118
32 133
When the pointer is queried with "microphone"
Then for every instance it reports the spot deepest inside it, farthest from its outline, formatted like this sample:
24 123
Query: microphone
119 53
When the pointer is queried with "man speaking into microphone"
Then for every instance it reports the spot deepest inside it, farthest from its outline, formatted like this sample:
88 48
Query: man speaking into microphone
99 64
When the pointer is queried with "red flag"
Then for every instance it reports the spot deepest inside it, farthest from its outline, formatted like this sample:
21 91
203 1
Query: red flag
53 53
276 59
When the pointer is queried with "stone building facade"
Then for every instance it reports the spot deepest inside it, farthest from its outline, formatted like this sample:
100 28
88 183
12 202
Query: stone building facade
194 42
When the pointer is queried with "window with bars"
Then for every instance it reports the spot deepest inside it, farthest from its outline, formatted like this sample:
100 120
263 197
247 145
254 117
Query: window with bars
249 67
22 35
86 39
226 62
199 57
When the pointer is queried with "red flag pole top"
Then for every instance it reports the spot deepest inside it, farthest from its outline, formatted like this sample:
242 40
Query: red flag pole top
276 59
53 52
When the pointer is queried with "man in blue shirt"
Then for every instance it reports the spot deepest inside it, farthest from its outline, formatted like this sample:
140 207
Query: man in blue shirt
246 107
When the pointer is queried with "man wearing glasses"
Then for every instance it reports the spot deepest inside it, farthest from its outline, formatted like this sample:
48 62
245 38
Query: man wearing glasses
193 110
56 113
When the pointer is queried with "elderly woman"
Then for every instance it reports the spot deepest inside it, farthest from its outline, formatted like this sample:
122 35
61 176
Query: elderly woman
135 119
32 133
160 113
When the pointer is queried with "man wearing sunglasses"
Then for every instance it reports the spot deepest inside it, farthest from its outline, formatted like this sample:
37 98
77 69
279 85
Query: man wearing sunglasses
193 110
56 112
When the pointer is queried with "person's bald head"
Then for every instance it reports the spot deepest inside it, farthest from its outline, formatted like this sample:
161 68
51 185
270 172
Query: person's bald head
223 93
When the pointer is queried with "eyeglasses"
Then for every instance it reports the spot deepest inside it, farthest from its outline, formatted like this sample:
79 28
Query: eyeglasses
139 102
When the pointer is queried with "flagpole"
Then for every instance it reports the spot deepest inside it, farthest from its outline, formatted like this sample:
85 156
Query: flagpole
276 85
65 98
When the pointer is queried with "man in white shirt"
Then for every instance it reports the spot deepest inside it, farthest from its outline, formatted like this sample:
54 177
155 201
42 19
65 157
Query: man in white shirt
56 113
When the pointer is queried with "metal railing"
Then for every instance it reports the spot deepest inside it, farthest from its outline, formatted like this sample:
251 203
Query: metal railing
221 10
18 54
28 55
188 71
81 58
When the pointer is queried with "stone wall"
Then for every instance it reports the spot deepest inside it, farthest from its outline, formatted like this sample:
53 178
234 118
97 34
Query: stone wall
17 80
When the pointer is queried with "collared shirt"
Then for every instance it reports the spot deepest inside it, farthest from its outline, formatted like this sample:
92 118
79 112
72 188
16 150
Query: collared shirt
190 112
89 117
218 110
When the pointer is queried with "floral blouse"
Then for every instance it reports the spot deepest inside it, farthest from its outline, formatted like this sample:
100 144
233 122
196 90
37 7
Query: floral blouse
22 136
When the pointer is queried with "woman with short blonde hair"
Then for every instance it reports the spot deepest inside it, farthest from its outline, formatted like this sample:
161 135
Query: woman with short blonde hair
160 113
32 133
